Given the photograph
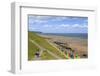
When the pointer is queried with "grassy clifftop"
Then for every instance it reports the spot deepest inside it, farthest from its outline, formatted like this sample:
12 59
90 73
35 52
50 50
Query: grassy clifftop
32 48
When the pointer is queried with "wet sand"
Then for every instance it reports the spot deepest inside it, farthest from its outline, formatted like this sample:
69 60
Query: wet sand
78 44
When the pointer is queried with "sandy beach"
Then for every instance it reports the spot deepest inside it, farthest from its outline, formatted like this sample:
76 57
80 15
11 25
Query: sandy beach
78 44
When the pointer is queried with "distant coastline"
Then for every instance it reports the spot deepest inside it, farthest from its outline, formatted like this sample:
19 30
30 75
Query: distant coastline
79 35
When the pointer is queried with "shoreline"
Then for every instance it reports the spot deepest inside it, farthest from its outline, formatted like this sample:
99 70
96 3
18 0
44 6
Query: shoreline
79 45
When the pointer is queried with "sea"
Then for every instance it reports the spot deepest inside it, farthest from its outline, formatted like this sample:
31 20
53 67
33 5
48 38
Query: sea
79 35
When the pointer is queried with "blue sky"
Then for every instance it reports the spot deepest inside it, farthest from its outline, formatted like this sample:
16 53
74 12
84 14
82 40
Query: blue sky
58 24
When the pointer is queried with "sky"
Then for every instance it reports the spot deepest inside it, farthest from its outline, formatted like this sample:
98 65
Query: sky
58 24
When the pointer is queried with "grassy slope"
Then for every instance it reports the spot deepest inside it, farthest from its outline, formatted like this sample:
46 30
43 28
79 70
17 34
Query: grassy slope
31 50
46 56
42 42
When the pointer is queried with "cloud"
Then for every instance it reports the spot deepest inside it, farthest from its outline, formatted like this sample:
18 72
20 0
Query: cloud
57 24
79 26
47 26
58 18
44 19
76 25
65 25
72 26
40 21
37 21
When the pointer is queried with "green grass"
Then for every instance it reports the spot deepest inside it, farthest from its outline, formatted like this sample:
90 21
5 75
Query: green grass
43 43
32 49
46 56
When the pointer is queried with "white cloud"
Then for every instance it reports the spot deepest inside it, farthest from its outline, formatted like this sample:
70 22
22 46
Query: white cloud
65 25
62 26
42 17
57 26
79 26
59 18
76 25
72 26
47 25
37 21
40 21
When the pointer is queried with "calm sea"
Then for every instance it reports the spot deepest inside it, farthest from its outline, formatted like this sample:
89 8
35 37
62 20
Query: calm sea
79 35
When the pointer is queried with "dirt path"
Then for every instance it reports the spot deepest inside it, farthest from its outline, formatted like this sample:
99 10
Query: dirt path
56 47
42 49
